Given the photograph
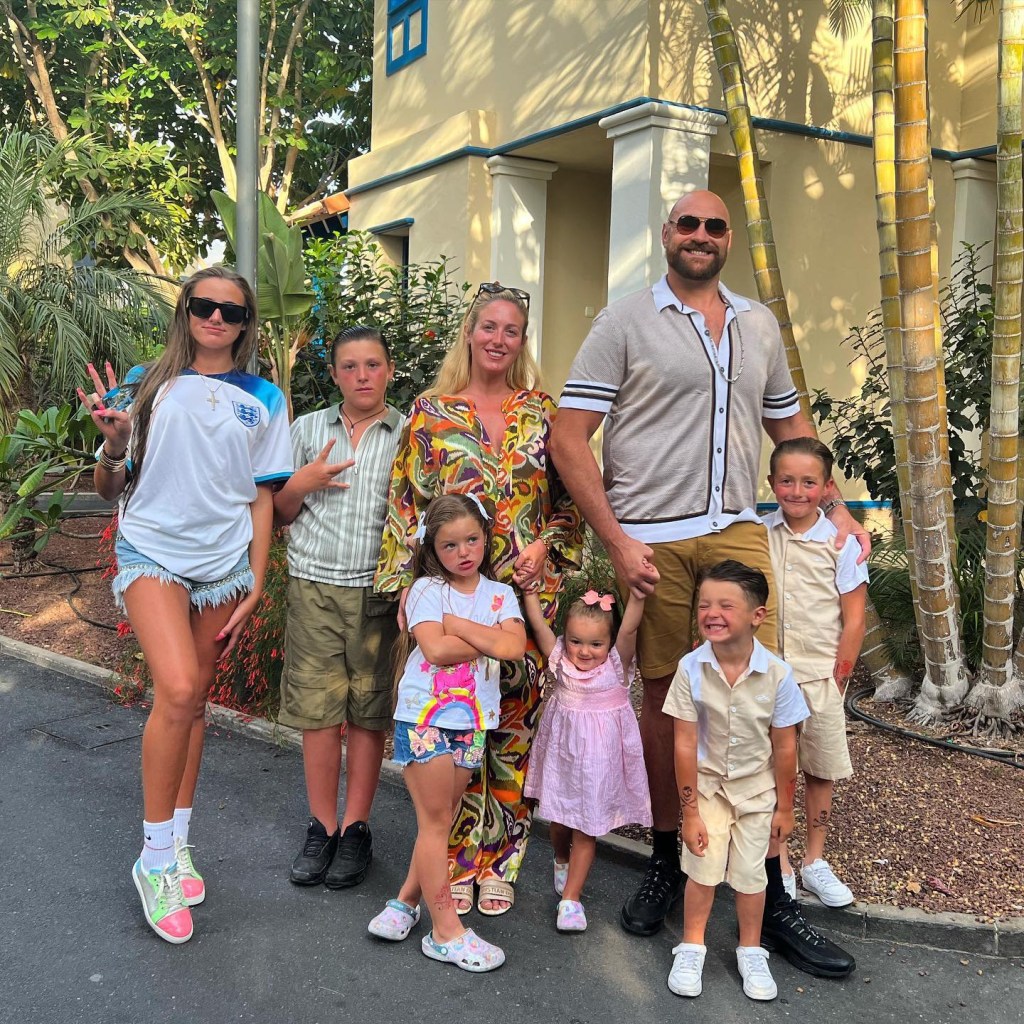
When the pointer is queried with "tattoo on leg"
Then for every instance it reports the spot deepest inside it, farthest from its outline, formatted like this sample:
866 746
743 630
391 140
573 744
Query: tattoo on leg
443 899
821 821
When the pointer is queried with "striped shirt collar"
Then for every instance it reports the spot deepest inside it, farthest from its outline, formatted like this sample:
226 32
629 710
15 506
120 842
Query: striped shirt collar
665 297
392 420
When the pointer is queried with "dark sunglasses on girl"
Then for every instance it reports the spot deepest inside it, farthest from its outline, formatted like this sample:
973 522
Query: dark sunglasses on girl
495 288
716 227
230 312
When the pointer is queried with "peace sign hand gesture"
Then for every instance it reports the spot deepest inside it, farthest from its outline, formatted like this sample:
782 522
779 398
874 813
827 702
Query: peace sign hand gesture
319 474
114 424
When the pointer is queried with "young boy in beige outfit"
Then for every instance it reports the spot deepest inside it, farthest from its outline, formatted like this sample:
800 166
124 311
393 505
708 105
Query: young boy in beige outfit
736 708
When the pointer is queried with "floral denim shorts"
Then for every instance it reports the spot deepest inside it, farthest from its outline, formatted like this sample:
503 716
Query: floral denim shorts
421 743
132 564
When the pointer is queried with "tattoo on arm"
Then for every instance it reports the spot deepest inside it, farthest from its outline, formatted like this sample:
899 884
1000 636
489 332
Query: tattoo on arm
688 797
843 670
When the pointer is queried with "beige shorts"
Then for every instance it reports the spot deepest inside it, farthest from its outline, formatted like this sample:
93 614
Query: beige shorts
737 842
822 750
666 631
337 656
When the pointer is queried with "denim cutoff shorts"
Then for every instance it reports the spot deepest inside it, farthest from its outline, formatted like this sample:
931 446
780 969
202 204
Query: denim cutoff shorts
132 564
421 743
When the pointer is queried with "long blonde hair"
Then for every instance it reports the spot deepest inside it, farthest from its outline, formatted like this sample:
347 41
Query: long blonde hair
454 373
179 353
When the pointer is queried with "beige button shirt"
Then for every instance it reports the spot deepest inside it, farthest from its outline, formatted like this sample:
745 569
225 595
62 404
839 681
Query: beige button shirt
810 575
734 747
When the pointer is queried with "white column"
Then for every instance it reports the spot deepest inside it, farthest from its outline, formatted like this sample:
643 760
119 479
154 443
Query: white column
974 209
519 206
659 153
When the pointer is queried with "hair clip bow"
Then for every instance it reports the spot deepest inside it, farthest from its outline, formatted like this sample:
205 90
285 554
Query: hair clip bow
604 601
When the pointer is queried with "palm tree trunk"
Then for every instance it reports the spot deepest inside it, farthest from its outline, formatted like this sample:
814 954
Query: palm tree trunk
998 691
945 681
768 277
759 223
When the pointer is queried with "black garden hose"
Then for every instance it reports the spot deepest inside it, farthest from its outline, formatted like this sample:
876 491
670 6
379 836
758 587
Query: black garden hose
1008 757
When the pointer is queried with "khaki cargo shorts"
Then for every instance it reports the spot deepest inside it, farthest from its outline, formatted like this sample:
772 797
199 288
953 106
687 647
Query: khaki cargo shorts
337 656
822 750
737 842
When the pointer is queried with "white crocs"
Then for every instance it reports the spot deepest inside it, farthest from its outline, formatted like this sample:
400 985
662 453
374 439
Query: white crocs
395 921
467 951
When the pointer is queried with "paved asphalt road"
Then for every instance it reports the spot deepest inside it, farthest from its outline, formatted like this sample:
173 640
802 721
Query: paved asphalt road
74 946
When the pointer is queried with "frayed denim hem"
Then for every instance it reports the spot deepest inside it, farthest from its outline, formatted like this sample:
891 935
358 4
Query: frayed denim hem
200 595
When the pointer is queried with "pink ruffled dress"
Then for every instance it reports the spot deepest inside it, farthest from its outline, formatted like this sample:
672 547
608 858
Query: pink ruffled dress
587 764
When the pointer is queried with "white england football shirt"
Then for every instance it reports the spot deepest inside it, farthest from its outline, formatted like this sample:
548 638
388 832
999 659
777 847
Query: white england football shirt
211 440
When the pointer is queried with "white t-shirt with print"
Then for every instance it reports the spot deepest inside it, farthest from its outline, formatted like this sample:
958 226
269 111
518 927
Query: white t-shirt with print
462 696
189 511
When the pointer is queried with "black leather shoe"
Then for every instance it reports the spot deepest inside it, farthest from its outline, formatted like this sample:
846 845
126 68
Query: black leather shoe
787 932
310 867
355 851
645 911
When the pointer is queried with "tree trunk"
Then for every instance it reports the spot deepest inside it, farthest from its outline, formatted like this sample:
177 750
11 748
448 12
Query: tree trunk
767 273
997 693
896 685
759 223
930 497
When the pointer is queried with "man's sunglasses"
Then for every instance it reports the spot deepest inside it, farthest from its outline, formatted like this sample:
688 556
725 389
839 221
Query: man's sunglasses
230 312
716 227
495 288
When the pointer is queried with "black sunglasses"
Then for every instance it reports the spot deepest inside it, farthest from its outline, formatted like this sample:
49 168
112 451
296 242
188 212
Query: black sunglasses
496 288
230 312
716 227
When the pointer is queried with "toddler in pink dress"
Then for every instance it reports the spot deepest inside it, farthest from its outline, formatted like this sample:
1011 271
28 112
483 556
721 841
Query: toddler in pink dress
587 764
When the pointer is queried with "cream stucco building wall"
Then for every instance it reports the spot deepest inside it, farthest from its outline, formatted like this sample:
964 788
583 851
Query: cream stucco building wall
541 142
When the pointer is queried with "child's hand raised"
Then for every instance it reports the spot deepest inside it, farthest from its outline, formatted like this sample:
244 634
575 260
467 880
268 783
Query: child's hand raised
695 835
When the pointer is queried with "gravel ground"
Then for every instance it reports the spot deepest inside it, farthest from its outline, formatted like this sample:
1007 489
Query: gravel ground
916 826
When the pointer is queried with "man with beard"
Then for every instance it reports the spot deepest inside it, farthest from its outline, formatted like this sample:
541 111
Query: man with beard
684 376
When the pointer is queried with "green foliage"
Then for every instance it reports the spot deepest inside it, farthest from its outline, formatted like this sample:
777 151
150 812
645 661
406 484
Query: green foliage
60 305
46 452
153 85
860 428
418 309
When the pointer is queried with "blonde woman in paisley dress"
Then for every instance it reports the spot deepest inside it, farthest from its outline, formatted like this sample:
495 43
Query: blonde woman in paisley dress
483 429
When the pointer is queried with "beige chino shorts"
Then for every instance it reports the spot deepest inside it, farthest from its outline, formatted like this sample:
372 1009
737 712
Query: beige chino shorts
822 750
737 842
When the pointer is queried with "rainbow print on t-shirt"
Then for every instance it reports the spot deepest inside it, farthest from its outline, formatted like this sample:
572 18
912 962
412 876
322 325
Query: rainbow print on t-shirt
451 685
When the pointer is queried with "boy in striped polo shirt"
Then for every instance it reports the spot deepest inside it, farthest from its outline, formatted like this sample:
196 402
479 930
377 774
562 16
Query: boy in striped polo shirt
340 634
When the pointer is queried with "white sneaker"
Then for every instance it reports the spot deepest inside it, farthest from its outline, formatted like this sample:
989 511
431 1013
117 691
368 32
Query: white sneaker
685 977
789 884
758 982
818 878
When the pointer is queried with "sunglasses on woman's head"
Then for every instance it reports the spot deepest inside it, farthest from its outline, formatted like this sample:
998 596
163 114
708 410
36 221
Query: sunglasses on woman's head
230 312
716 227
496 288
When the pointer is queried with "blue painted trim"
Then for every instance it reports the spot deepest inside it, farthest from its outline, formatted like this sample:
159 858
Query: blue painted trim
768 124
383 229
400 12
771 506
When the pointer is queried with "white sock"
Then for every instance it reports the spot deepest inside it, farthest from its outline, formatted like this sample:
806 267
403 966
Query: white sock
182 817
158 846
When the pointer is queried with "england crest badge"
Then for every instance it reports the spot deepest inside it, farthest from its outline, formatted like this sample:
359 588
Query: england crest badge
248 415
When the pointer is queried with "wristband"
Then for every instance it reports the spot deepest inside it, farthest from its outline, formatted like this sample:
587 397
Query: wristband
109 463
828 506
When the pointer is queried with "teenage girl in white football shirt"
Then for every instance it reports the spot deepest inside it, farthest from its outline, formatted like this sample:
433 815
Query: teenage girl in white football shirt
192 445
